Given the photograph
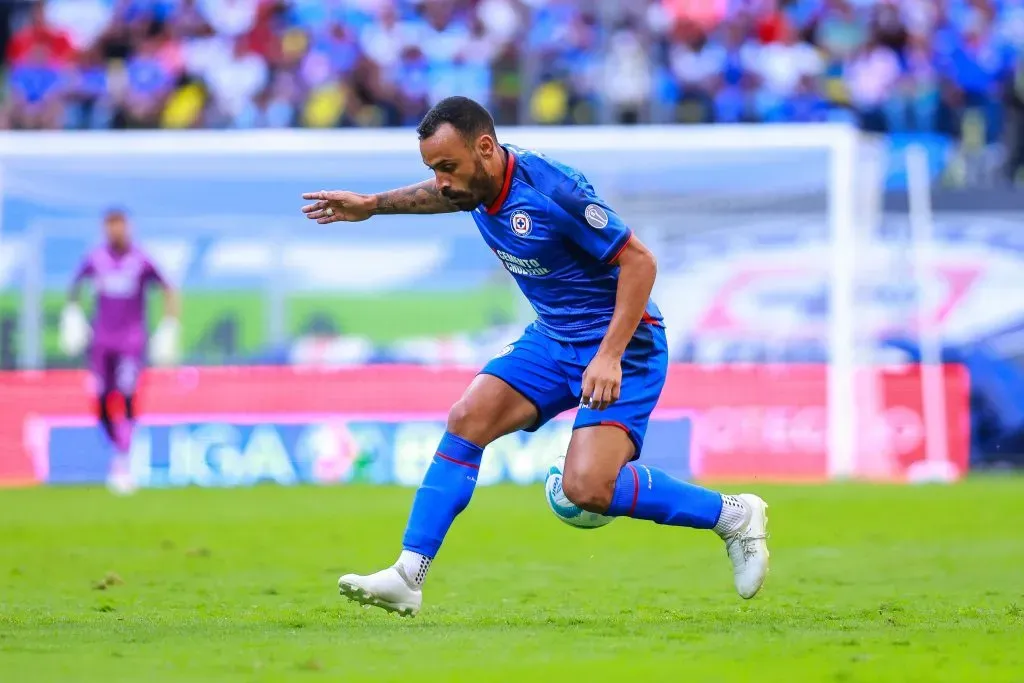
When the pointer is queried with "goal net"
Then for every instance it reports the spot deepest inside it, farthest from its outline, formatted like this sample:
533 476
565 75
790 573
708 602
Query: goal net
760 233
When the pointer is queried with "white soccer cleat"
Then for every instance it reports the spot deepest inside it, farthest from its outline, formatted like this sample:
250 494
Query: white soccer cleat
387 589
748 548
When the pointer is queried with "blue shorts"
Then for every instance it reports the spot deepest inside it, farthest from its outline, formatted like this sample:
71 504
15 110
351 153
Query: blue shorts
549 374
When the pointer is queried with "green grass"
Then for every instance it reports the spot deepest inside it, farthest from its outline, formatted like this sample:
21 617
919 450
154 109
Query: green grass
867 584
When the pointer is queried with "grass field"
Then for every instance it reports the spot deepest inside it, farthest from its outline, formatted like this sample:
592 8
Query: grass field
867 584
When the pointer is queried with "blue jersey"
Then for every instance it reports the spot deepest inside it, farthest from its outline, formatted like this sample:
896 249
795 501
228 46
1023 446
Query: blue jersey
560 241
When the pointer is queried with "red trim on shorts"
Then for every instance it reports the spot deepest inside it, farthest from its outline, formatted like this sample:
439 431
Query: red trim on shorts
649 320
636 489
457 462
612 423
505 186
618 253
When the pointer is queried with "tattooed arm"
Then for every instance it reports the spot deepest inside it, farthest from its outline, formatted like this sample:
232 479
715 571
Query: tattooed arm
339 205
419 198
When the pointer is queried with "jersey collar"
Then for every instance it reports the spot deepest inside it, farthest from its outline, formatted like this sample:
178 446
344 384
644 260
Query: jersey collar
510 169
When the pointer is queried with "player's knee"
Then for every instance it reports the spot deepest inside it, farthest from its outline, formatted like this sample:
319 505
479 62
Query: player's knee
591 490
467 422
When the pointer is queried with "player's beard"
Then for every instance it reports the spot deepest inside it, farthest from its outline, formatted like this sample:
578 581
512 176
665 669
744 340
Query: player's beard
468 200
463 201
119 245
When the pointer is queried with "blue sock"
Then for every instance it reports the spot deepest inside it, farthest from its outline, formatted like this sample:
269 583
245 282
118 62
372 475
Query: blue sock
643 492
444 493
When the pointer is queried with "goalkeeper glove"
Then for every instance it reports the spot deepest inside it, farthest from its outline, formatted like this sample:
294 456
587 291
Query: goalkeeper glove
74 330
164 346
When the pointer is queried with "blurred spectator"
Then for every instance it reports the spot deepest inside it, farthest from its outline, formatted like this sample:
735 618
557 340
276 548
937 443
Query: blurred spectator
896 65
781 68
384 40
87 92
839 31
236 81
273 107
914 105
148 79
34 89
230 17
976 64
1015 124
704 13
40 42
627 74
871 74
83 21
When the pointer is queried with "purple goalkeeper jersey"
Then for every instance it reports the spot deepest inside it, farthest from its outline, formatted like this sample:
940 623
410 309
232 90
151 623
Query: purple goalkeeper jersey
120 280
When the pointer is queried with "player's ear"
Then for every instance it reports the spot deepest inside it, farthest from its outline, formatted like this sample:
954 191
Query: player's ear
485 145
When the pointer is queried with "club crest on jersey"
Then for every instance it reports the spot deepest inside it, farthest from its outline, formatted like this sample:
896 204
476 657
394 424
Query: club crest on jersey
596 216
521 223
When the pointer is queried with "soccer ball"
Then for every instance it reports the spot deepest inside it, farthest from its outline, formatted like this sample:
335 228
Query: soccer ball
565 509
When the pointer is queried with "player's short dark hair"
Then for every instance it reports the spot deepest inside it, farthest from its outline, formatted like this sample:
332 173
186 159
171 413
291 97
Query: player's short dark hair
463 114
115 213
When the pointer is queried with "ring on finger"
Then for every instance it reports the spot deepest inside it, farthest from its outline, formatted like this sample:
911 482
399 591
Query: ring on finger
330 211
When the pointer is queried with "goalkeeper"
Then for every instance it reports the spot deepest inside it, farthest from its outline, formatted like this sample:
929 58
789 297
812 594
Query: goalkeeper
116 340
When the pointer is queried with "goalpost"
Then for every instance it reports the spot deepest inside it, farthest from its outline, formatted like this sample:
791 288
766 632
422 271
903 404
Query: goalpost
725 183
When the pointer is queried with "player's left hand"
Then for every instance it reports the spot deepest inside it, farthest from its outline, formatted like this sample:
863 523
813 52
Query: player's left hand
602 381
164 344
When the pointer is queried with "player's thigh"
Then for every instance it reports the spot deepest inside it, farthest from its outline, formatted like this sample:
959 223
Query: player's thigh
605 440
529 370
489 409
102 363
644 370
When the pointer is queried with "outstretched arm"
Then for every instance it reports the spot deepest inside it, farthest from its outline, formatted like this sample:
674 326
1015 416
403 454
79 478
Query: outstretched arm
331 206
419 198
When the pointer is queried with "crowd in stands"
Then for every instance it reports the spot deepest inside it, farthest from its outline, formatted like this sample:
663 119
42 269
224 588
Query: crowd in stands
894 65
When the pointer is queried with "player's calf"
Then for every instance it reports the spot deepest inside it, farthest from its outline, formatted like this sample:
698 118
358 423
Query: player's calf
106 419
643 492
489 409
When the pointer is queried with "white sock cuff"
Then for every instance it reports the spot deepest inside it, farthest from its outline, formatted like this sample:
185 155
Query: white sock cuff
414 566
734 515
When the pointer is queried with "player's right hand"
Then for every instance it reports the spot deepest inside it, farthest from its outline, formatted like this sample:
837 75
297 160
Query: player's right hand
74 331
332 206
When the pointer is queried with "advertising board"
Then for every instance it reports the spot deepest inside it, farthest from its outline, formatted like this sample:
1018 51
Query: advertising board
379 425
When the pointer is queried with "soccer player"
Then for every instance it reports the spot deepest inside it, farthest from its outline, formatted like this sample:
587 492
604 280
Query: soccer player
598 344
120 272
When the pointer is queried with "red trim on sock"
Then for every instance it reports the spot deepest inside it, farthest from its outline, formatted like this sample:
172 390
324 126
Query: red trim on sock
636 489
457 462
